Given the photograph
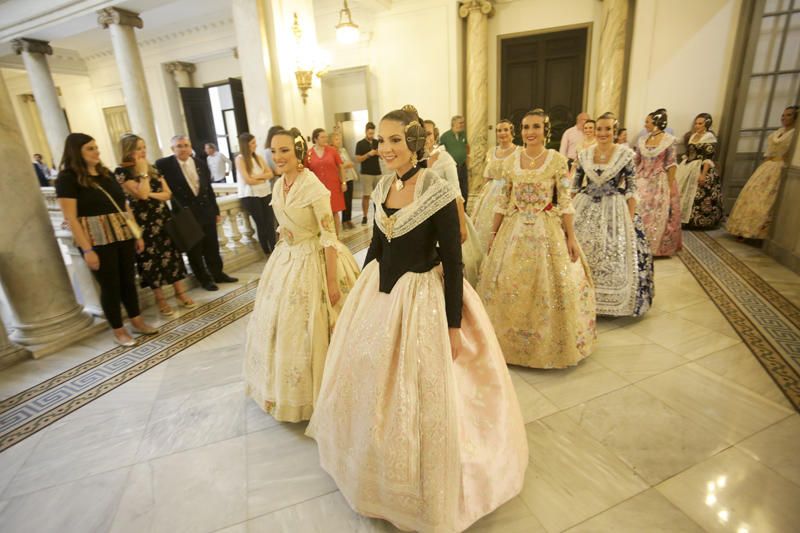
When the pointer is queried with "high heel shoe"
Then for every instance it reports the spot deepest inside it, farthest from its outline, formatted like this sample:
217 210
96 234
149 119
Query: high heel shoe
165 309
190 304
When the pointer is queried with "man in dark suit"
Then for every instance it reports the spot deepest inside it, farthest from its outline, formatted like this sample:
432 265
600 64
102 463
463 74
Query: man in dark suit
191 188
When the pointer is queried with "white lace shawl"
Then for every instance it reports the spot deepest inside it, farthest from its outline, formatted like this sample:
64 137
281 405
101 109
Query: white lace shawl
431 194
622 156
666 141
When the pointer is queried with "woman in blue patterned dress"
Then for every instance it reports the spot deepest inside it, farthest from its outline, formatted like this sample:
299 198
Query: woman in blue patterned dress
608 228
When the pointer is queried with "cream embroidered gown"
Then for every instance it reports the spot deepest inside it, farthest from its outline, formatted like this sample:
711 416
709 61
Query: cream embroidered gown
471 251
752 213
289 330
408 434
542 305
483 210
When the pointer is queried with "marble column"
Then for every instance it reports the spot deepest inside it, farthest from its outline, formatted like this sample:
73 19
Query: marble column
477 13
611 64
41 303
180 75
120 24
34 55
36 133
182 72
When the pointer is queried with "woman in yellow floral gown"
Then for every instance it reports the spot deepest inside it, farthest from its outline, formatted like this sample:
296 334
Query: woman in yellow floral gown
752 213
535 282
483 210
300 293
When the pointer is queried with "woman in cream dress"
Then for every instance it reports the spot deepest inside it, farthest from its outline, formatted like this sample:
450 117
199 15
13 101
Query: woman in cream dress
752 213
300 294
535 282
444 165
483 209
417 420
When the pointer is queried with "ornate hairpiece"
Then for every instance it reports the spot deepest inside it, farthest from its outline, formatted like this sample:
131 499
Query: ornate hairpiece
408 108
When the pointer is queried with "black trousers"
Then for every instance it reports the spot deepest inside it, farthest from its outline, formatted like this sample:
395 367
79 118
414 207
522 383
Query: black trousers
347 214
262 214
204 258
117 279
463 181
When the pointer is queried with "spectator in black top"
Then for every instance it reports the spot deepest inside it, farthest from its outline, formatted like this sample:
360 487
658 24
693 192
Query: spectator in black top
367 155
91 201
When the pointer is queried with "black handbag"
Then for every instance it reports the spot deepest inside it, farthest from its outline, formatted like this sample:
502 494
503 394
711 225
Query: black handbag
184 229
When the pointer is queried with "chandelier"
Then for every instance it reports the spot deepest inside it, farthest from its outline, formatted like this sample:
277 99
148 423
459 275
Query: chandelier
347 31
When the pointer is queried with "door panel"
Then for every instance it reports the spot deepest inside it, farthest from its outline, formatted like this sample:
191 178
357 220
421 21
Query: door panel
547 71
239 109
199 117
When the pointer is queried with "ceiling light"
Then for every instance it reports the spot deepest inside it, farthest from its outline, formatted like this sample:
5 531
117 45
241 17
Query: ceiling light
347 31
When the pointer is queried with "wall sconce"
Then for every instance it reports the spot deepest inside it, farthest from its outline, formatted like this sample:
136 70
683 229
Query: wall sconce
305 60
347 31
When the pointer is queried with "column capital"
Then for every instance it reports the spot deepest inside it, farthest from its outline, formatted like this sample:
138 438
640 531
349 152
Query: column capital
485 7
32 46
180 66
113 15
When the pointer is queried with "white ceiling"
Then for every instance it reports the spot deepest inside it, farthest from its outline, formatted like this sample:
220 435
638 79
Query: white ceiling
72 25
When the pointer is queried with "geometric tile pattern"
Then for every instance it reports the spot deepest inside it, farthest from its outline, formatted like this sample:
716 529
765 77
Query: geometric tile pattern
32 410
765 320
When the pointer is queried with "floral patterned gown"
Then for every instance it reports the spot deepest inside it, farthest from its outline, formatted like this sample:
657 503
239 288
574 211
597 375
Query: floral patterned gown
615 245
483 211
701 203
541 304
660 203
289 330
160 263
754 208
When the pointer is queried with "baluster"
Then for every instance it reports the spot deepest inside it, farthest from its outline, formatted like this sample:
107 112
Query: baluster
236 235
83 283
223 239
248 230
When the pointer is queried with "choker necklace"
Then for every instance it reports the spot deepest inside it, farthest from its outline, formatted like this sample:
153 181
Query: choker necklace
603 157
400 181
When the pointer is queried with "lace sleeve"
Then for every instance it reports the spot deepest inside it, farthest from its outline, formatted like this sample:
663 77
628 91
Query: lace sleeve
324 216
628 176
504 199
562 188
670 159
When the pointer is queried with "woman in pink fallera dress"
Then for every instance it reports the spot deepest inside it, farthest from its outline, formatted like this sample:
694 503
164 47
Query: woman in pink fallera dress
659 199
417 420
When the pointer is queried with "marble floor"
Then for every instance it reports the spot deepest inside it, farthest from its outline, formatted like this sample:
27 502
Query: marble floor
671 425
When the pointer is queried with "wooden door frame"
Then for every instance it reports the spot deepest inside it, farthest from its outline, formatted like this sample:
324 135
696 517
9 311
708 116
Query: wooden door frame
589 26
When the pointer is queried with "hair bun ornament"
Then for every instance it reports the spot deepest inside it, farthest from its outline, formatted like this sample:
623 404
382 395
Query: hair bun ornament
408 108
300 148
415 136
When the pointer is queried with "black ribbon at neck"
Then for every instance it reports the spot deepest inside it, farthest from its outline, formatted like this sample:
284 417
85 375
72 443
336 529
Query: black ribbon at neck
408 175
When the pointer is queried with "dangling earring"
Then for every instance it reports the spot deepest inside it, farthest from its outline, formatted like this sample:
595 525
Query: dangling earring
300 167
414 160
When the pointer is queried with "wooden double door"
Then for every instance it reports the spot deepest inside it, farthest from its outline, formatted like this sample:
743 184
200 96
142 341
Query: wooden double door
544 70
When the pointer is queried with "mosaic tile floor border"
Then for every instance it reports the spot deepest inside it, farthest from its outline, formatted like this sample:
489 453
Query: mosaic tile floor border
33 409
762 317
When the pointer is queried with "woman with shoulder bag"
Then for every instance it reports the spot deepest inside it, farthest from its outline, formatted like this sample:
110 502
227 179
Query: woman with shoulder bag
107 236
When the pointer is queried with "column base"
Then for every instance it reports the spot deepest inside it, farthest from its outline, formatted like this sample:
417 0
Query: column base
12 354
45 332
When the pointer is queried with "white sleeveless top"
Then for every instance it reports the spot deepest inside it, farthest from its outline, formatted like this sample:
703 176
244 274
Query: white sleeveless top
261 190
